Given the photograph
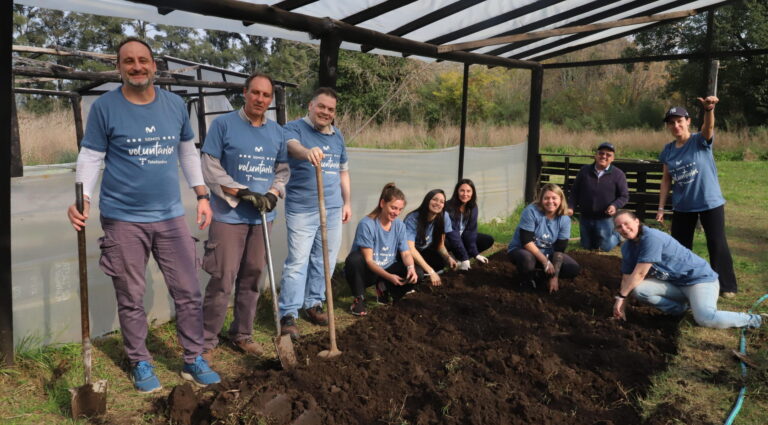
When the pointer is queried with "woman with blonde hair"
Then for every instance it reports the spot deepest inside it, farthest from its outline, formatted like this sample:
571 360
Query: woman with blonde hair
380 254
541 238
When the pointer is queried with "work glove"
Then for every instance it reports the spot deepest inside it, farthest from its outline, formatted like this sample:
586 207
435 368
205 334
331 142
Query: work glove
259 201
481 259
463 265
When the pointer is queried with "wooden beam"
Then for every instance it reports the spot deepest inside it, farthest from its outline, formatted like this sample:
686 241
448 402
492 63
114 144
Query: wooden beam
533 166
114 77
63 52
563 31
656 58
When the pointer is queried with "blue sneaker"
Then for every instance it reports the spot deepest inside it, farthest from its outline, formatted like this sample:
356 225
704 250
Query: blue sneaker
199 373
144 378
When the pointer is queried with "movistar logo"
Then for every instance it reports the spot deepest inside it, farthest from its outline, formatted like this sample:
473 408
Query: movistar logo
259 148
151 129
326 148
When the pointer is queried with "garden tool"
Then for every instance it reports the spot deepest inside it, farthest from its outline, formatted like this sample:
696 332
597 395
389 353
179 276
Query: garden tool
283 343
333 351
90 399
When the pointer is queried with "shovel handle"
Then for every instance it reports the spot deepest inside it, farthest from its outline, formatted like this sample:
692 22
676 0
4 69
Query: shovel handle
326 261
85 324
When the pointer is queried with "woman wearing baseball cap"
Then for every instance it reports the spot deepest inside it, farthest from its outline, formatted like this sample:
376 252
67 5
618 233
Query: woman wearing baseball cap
690 171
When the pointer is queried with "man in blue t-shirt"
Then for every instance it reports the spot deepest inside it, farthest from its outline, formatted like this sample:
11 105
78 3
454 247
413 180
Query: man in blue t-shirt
245 164
312 141
142 133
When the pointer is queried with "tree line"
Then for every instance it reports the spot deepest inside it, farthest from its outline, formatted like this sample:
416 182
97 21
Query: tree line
387 88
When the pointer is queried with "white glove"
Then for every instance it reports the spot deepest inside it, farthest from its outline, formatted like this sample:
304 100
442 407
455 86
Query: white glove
481 259
464 265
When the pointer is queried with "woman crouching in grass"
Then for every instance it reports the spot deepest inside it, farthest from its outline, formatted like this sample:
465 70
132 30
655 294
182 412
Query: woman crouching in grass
661 272
541 237
380 255
427 226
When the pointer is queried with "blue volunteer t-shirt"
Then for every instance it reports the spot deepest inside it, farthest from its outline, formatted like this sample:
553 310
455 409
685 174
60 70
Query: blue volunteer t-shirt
695 186
301 190
670 261
545 231
385 244
141 173
412 224
249 155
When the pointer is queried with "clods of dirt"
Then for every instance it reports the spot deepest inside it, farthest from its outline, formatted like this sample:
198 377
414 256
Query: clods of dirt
481 349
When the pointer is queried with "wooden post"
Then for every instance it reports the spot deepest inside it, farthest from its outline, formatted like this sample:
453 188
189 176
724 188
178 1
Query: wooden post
534 122
705 64
329 59
6 110
463 131
281 108
77 112
201 127
17 167
567 174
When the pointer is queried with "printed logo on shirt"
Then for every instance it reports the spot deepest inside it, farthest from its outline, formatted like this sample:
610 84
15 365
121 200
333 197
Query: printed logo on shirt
258 149
151 150
678 162
685 174
150 129
326 148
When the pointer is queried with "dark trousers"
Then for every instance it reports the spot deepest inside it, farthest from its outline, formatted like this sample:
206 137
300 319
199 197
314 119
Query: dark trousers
482 243
359 276
234 257
433 258
527 265
713 222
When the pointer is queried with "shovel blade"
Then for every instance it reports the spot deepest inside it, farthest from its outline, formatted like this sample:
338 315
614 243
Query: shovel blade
285 352
89 400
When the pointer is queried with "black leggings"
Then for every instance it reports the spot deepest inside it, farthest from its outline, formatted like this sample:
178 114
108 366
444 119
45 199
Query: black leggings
359 276
482 243
433 258
713 222
526 264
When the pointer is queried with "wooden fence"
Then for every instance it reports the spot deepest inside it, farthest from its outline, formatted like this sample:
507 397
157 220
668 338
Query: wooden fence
643 179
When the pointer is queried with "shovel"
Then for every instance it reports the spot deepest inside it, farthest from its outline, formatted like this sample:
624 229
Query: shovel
283 343
90 399
333 351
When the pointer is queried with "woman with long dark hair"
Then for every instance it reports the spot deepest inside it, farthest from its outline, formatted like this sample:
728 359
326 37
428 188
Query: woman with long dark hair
427 226
380 253
464 241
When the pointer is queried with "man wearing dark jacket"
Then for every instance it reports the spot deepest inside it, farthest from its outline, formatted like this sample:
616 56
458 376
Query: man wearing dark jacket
600 189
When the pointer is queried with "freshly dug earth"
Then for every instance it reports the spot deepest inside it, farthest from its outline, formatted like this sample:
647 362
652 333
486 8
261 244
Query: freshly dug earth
481 349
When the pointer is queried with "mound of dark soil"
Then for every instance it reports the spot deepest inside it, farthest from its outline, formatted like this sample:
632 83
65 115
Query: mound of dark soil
479 350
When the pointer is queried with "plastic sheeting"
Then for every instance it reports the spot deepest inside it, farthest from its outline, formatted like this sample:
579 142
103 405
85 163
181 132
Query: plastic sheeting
45 268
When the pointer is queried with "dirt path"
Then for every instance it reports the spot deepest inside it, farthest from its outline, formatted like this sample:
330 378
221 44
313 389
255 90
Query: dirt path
480 350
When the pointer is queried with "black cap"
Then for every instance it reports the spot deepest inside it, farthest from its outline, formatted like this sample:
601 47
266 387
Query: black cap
676 111
606 145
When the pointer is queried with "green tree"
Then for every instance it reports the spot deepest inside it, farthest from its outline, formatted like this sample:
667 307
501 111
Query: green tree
742 82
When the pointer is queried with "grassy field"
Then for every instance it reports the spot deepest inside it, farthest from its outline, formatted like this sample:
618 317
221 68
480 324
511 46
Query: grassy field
50 138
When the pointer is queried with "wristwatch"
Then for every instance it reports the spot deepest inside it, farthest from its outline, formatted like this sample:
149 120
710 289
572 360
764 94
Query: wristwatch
205 196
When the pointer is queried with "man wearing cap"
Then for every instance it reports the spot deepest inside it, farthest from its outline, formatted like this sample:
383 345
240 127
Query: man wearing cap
690 171
600 189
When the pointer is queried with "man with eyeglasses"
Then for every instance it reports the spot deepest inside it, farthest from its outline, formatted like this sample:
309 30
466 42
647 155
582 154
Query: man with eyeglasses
600 189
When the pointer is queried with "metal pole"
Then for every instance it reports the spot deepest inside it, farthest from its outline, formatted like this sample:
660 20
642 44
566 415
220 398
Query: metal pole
280 105
201 128
329 59
6 292
463 134
705 64
534 123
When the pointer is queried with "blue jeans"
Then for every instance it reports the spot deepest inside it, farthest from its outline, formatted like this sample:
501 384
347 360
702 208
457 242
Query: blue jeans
702 298
303 281
598 233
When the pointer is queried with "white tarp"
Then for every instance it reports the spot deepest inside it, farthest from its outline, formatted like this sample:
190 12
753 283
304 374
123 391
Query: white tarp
44 245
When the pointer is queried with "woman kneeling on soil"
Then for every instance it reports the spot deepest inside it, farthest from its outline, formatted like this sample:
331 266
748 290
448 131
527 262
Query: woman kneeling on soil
426 227
661 272
380 255
541 238
464 241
